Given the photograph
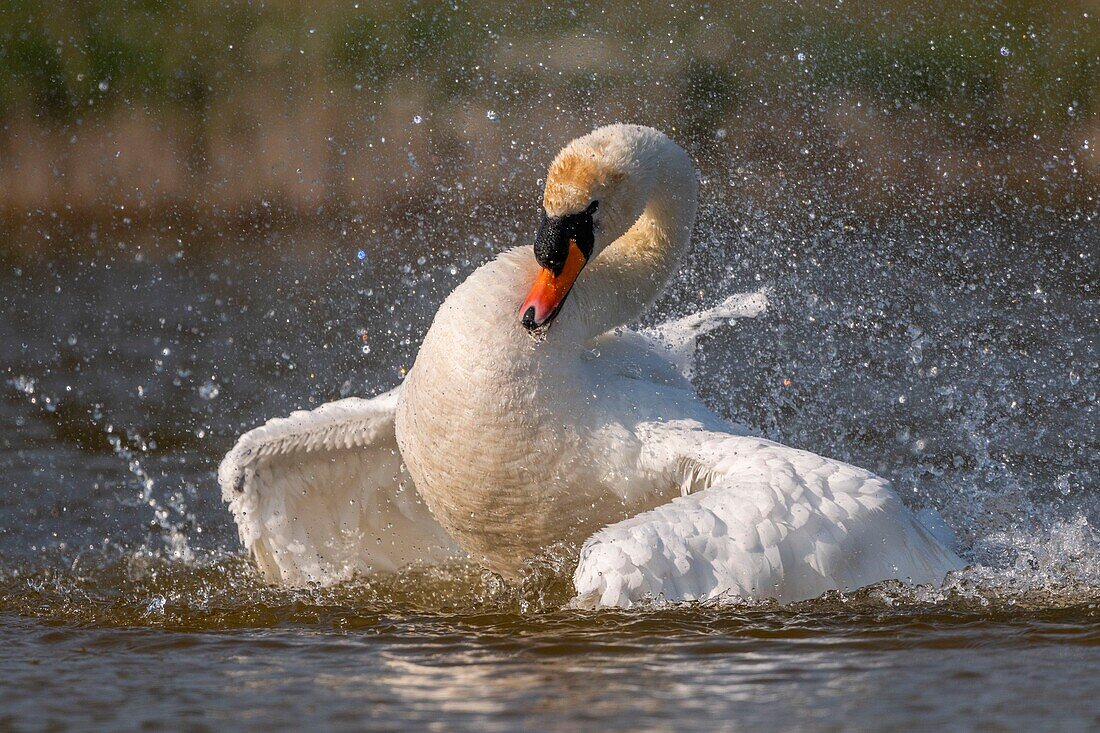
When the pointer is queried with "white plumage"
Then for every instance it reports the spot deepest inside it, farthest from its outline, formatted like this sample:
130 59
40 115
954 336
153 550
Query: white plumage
498 444
758 520
321 495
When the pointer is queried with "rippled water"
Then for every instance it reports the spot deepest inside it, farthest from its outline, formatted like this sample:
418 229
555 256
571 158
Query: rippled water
957 359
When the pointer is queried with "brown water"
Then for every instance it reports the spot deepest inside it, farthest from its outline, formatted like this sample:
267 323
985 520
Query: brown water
180 646
175 650
958 360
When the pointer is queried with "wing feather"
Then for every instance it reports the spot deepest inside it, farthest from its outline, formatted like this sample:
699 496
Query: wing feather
761 521
321 495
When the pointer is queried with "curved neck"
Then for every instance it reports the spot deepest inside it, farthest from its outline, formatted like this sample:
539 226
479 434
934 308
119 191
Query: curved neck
626 277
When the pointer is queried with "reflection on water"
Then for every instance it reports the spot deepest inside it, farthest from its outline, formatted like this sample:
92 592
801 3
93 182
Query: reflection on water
747 670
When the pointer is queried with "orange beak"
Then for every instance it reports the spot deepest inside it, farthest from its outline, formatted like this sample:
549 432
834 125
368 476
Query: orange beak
549 291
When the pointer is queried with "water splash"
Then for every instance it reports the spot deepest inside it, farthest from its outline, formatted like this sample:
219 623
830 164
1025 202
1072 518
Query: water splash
680 336
171 519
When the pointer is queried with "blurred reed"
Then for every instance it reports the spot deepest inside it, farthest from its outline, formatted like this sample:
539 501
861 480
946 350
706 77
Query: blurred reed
143 111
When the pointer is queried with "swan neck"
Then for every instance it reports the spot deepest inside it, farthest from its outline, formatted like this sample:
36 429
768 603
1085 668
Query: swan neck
628 276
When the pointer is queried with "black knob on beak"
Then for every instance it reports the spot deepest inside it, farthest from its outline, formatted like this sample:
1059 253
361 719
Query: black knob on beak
556 232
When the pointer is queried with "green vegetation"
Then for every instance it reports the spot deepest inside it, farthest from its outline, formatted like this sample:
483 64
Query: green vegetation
204 91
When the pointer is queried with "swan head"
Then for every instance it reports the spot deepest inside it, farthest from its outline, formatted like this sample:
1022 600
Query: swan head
596 189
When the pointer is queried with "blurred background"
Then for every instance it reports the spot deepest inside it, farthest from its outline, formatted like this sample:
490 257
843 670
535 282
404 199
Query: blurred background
131 113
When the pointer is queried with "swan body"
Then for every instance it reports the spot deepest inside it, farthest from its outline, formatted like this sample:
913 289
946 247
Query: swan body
529 422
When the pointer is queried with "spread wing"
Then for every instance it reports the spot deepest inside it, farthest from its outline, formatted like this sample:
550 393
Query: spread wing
321 495
759 520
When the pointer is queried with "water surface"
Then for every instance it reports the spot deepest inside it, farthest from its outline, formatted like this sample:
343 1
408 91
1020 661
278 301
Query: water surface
957 359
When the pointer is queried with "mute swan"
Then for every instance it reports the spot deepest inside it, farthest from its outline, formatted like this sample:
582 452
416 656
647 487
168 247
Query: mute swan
528 420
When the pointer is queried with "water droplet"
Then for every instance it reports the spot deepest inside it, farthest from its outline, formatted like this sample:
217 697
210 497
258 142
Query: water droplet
361 255
104 85
417 120
1005 51
492 116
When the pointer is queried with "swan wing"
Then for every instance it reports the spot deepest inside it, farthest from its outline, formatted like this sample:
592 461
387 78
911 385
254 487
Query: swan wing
757 520
322 494
680 337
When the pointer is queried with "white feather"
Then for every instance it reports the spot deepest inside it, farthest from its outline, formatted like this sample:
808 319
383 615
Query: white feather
762 521
321 495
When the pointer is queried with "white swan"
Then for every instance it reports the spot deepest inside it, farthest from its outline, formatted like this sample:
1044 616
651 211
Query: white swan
526 421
